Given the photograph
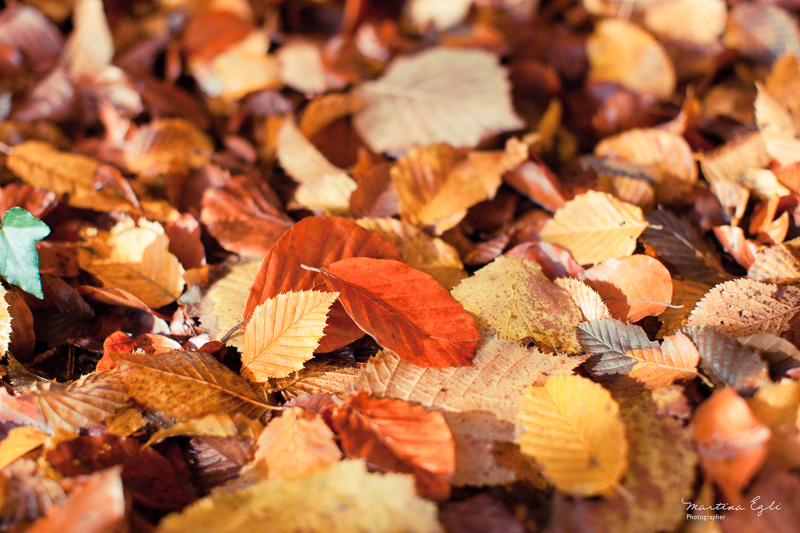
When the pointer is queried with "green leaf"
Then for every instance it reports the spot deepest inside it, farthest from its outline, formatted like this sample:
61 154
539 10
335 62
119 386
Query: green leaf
19 261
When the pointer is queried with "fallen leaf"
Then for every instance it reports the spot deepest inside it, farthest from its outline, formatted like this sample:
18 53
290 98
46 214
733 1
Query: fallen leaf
191 384
537 182
283 332
409 107
480 402
20 441
762 32
338 499
296 444
595 226
35 36
727 362
632 287
28 492
167 145
694 21
19 261
776 406
405 310
395 436
732 443
732 238
211 425
218 460
571 426
777 264
588 301
90 46
512 297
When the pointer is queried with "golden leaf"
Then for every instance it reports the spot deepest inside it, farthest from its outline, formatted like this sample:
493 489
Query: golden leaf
323 187
339 499
211 425
318 376
20 440
623 53
695 21
512 297
685 295
479 402
777 405
283 333
594 227
571 426
167 145
588 301
296 444
467 100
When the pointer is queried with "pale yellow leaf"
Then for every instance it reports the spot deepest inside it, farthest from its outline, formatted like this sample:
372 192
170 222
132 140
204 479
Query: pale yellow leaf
283 333
441 95
624 53
90 46
343 498
513 298
729 162
595 226
426 14
479 402
588 301
301 67
323 186
695 21
571 426
778 127
296 444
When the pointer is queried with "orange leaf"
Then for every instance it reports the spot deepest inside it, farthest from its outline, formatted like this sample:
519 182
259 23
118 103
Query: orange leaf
632 287
316 241
395 436
407 311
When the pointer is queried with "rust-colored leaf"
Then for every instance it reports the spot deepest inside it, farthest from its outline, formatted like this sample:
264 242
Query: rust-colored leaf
405 310
395 436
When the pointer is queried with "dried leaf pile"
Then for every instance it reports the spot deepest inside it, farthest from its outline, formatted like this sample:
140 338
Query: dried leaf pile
416 265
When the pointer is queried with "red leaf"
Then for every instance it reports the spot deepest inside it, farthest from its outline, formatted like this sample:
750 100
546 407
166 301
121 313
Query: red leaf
316 241
407 311
395 436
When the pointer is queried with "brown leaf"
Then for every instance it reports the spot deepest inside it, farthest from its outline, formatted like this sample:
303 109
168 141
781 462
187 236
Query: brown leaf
405 310
183 384
467 100
167 145
27 30
317 376
480 402
632 287
481 512
743 306
28 492
537 182
777 264
316 241
512 297
727 362
395 436
216 460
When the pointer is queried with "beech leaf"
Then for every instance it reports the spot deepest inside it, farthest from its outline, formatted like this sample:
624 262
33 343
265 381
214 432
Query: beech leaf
586 298
283 332
571 426
19 261
405 310
727 362
440 95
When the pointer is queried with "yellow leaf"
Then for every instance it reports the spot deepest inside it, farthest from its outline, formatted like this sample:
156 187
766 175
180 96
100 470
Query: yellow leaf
595 226
323 186
283 333
167 145
211 425
20 440
296 444
40 164
342 498
571 426
466 100
512 297
301 66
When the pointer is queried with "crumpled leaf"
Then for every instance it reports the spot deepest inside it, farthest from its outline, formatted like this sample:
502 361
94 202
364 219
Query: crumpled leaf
395 436
512 297
466 100
296 444
19 261
339 499
571 426
479 402
744 306
632 287
405 310
595 226
187 384
283 332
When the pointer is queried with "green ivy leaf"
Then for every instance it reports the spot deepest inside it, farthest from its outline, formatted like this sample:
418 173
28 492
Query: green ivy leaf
19 260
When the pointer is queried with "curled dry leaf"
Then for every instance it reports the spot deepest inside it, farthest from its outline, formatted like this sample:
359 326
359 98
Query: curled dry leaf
283 333
438 96
395 436
732 238
727 362
537 182
479 402
339 499
731 441
323 187
744 306
438 183
512 298
405 310
571 426
623 53
632 287
588 301
595 226
296 444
